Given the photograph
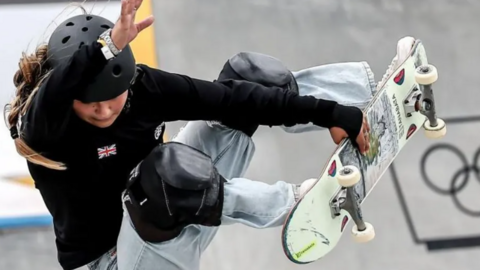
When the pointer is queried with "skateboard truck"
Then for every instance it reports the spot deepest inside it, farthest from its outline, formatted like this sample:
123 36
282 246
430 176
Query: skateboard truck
412 103
422 100
346 199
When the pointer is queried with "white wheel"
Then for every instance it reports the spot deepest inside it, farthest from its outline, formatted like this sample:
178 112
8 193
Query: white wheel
363 236
426 74
348 176
435 132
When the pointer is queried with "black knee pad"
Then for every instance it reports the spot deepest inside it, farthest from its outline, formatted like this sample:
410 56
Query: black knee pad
174 186
258 68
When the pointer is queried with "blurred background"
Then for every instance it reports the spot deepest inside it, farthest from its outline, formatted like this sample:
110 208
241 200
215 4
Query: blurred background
417 226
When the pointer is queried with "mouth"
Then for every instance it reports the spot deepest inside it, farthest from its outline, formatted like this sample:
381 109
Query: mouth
101 119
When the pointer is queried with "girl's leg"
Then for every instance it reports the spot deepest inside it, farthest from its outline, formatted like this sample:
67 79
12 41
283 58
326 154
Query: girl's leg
231 152
257 204
249 202
351 83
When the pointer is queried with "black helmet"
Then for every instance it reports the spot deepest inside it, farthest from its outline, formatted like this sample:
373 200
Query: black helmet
117 75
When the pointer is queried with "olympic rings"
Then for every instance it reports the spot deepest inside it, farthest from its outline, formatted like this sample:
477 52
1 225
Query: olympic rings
460 178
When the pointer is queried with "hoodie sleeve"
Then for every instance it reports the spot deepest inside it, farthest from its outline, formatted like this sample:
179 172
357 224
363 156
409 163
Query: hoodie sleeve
179 97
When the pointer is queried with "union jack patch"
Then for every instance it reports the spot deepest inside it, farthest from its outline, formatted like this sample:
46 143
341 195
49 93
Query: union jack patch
107 151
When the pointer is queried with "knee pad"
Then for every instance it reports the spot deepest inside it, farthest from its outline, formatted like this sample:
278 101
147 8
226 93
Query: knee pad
259 68
174 186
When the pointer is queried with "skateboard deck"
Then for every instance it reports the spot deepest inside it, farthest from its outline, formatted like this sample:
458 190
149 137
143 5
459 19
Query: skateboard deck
396 112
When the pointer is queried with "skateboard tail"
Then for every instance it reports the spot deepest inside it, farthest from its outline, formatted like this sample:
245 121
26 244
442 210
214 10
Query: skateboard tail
294 256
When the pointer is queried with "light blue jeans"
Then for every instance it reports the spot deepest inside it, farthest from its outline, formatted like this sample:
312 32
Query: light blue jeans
248 202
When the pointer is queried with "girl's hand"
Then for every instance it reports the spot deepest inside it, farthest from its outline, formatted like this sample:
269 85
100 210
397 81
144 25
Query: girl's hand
126 30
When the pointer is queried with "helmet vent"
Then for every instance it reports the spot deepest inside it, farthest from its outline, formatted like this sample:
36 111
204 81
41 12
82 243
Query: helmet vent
85 29
70 24
65 39
89 18
117 70
105 26
81 44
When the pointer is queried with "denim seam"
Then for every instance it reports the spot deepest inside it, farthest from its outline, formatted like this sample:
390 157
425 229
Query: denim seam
222 153
260 215
371 77
140 256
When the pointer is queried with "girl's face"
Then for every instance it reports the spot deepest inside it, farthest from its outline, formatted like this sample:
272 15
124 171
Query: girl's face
101 114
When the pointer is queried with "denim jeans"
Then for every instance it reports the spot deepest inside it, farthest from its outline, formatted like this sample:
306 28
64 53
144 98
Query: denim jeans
248 202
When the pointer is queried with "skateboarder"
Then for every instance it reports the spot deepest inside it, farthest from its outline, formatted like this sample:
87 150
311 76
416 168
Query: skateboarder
85 115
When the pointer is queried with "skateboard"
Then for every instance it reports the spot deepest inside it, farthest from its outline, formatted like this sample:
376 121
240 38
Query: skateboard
404 103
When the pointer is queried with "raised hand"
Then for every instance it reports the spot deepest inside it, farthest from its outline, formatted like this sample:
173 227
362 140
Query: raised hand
125 29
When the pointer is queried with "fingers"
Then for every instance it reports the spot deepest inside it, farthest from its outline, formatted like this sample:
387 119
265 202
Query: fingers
366 125
367 141
361 142
126 12
144 23
363 139
128 7
123 10
367 134
138 4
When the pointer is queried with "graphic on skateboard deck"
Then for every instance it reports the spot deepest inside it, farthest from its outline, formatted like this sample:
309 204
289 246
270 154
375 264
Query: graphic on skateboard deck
396 112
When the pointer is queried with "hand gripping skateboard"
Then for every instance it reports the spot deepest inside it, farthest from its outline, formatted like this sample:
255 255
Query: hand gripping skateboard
403 104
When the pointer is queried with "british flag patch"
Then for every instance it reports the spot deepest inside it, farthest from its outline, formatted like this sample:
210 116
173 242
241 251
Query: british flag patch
107 151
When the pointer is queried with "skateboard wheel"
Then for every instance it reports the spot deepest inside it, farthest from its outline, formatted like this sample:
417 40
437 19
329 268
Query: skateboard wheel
426 74
348 176
435 132
363 236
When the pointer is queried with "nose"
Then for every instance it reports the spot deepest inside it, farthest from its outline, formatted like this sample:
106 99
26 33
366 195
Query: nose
103 111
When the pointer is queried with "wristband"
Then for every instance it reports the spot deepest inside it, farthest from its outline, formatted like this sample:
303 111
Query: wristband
107 52
108 40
